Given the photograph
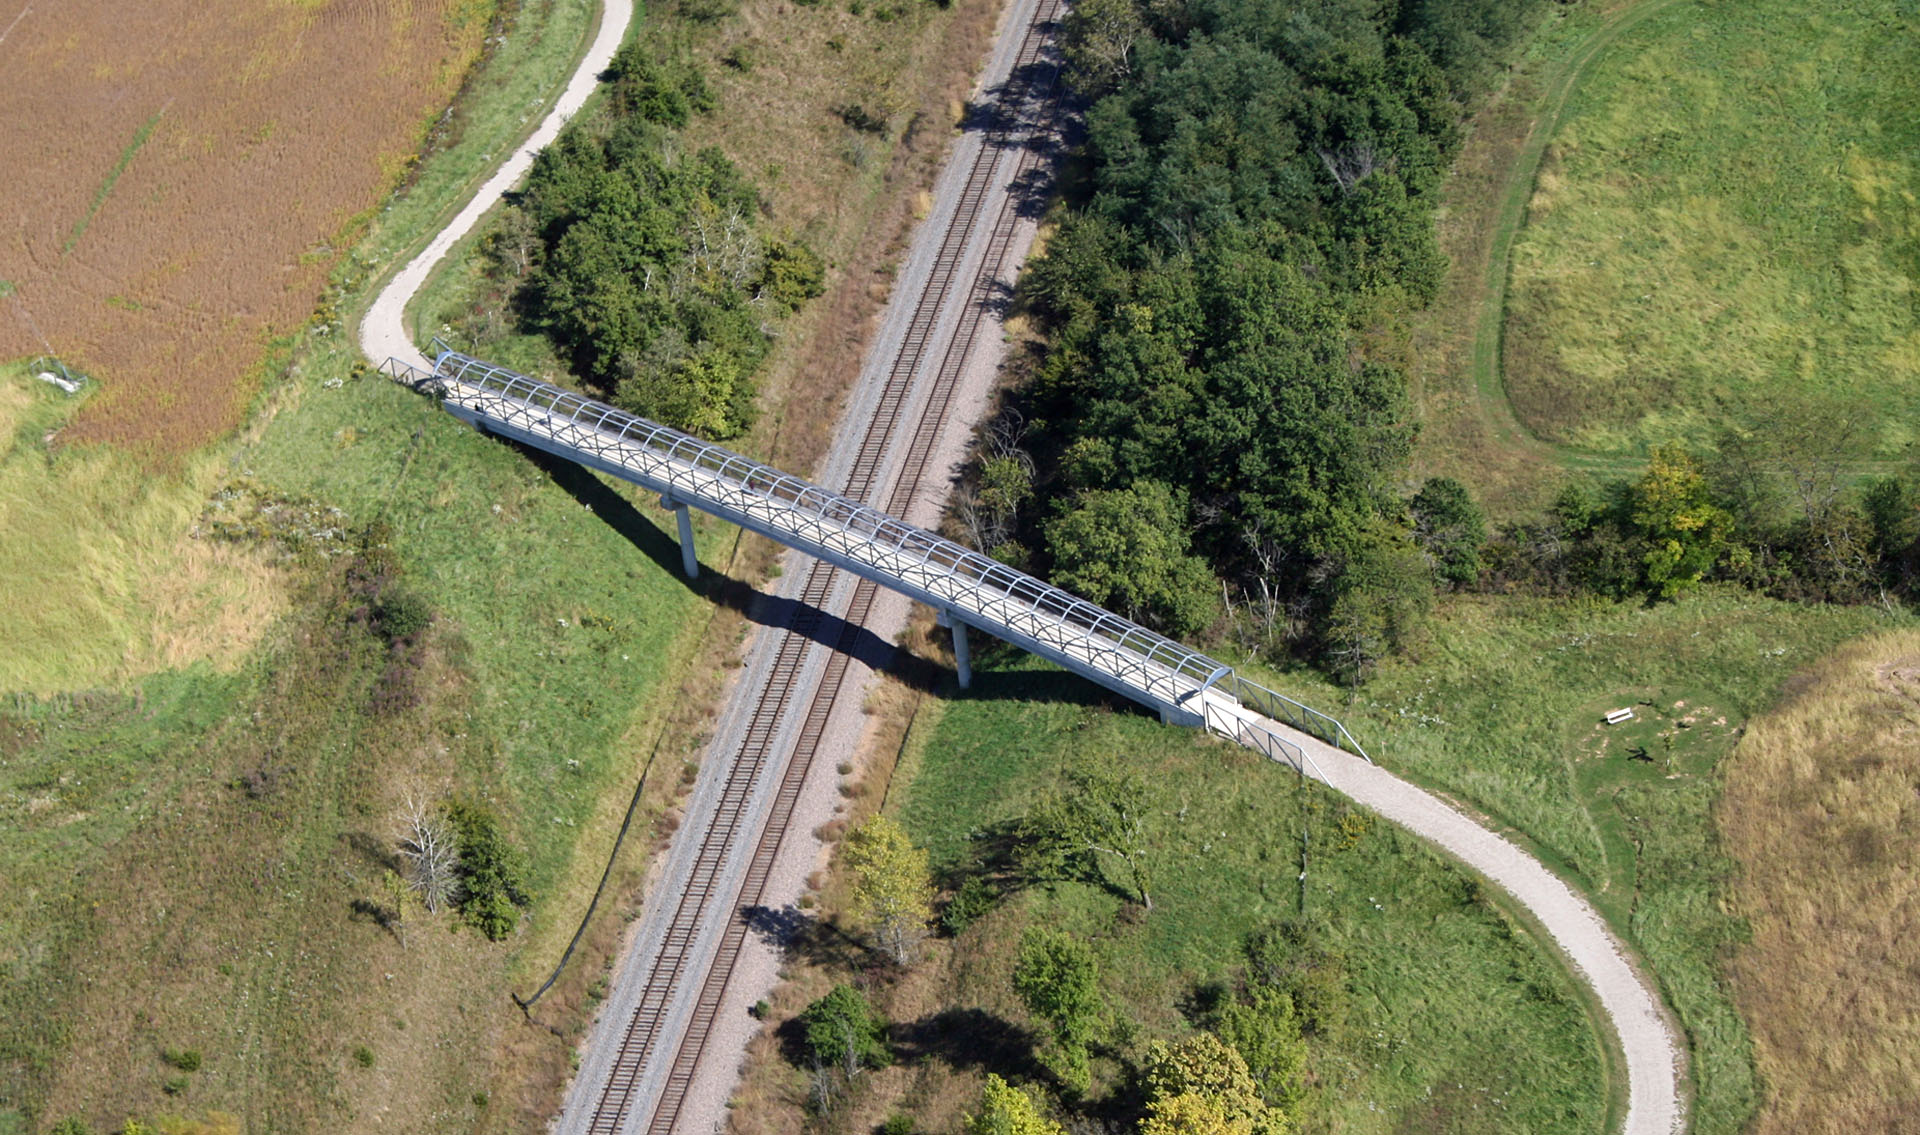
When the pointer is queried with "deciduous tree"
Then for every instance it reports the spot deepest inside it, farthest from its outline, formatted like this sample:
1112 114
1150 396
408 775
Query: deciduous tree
1058 979
1685 530
1450 528
1098 813
1128 549
842 1031
1007 1110
892 886
1200 1086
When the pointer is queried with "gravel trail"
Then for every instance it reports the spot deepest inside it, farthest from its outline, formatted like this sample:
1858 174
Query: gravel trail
1654 1057
383 333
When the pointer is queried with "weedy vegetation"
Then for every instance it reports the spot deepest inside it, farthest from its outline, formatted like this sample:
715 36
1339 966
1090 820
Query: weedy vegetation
1819 813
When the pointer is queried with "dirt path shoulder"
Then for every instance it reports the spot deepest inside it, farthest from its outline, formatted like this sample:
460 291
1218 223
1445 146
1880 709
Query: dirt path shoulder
383 333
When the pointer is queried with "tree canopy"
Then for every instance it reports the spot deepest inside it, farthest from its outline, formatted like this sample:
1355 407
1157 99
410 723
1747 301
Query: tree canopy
892 885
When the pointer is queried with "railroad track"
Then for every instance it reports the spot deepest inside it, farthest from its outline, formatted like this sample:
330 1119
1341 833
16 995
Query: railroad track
1027 98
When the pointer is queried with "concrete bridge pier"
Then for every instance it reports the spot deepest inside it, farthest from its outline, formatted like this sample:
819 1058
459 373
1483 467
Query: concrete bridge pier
689 561
962 656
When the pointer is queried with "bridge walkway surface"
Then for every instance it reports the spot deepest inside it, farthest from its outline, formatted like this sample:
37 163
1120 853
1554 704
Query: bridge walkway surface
1183 685
966 588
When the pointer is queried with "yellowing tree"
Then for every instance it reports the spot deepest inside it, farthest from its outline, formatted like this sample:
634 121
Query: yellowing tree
1685 530
1191 1113
892 887
1201 1086
1006 1110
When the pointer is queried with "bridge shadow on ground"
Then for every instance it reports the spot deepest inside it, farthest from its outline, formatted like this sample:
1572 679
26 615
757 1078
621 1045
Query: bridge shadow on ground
769 610
990 683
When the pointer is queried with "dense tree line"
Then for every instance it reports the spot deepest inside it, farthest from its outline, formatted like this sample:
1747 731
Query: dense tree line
1262 181
1779 507
646 265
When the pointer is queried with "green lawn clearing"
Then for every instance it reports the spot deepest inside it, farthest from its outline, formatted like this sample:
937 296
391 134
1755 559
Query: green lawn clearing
1724 223
1458 1020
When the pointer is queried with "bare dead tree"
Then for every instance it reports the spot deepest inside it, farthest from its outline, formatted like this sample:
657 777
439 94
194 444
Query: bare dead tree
428 848
1351 165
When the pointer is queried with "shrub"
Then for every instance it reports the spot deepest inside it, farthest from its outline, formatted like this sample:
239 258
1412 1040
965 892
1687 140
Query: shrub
175 1085
401 614
185 1059
843 1031
492 873
363 1056
968 905
899 1123
71 1125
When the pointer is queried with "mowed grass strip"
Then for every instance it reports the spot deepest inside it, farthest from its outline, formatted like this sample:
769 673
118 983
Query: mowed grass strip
1727 215
1458 1020
1501 707
140 137
1820 811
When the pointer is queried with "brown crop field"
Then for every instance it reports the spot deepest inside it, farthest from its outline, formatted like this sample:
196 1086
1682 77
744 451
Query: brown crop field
178 175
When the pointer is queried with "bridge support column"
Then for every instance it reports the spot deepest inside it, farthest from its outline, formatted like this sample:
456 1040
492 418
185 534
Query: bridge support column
689 560
962 656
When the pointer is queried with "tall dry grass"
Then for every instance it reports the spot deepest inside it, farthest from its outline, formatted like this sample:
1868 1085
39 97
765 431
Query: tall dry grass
108 581
1822 807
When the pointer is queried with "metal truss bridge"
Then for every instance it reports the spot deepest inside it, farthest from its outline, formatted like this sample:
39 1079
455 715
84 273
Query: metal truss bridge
964 587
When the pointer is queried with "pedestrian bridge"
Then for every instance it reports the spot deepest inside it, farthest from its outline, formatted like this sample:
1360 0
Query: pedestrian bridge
965 588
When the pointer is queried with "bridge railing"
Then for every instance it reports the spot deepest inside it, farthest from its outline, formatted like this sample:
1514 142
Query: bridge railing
613 435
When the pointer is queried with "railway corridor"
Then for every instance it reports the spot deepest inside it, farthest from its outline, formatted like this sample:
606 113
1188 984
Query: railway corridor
664 1053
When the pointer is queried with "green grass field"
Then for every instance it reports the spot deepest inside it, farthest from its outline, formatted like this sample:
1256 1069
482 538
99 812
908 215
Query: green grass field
1459 1020
1725 218
561 612
1501 708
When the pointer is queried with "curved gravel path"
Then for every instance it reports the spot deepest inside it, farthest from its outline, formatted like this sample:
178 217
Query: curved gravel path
383 333
1653 1055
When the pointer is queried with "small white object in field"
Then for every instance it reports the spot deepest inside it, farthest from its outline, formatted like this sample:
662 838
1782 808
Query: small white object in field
1615 717
71 386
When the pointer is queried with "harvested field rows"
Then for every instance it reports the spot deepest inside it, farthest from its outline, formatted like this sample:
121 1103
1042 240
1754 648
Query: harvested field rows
179 173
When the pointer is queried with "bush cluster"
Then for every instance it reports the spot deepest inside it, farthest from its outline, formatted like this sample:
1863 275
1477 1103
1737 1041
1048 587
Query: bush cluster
647 267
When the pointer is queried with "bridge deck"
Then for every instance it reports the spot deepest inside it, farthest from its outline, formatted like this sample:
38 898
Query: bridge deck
1185 686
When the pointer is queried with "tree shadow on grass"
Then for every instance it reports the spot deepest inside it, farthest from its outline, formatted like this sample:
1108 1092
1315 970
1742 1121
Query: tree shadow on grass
377 853
970 1038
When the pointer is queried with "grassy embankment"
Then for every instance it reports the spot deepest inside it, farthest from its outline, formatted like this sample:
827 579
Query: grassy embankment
1724 217
1819 812
1500 708
1458 1020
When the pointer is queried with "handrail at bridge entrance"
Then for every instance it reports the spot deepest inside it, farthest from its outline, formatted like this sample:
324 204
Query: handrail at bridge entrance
964 586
